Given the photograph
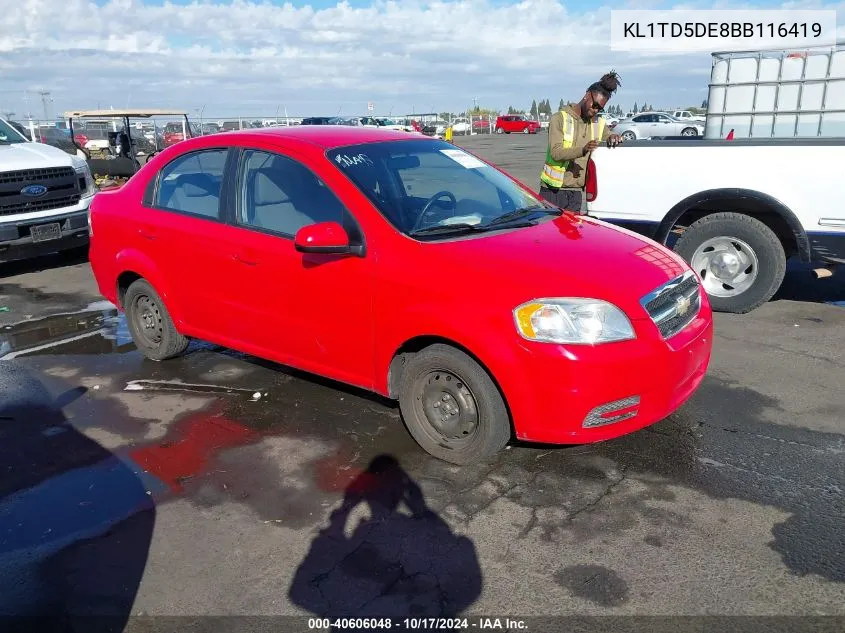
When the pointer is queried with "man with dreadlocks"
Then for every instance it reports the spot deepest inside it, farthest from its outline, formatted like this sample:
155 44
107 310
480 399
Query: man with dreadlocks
574 132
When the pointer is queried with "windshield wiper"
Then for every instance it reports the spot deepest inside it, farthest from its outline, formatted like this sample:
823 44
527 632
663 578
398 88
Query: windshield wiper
522 212
446 228
468 228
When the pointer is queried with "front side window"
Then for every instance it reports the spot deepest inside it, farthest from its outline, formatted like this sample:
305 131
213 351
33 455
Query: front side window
280 195
431 187
192 183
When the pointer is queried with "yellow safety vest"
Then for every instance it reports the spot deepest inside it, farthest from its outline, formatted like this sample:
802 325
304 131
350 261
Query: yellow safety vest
553 170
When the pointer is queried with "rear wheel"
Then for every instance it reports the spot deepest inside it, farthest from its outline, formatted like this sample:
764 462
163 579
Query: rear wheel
740 260
152 329
451 406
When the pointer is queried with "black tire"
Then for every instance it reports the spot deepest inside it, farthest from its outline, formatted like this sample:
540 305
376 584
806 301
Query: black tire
689 131
763 241
481 427
629 136
149 322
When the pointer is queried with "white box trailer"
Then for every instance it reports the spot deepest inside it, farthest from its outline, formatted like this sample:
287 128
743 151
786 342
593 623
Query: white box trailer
777 94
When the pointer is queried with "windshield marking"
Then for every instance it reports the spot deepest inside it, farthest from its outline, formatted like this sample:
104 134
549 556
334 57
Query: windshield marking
349 161
462 158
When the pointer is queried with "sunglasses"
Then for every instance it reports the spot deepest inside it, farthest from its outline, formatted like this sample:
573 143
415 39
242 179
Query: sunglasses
597 106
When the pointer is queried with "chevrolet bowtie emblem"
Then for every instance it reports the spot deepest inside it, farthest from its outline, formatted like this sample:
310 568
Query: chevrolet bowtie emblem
682 305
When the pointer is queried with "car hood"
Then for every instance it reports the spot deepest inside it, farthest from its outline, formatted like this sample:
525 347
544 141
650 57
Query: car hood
564 257
34 155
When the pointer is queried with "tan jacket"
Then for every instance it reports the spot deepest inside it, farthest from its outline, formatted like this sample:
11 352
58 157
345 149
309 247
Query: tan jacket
576 171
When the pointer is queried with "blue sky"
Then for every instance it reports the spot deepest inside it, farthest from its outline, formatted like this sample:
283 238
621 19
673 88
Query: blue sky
254 58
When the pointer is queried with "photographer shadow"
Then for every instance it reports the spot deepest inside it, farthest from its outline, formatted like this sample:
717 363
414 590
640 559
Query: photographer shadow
76 522
393 564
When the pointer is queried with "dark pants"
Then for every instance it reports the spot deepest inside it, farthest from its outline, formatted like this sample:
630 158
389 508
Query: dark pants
569 199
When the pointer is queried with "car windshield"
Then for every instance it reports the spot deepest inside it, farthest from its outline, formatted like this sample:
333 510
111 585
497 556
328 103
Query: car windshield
433 188
8 134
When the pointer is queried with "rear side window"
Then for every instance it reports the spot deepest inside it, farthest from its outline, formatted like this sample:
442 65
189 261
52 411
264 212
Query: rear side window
192 183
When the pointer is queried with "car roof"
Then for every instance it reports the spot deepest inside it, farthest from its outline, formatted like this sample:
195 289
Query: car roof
326 136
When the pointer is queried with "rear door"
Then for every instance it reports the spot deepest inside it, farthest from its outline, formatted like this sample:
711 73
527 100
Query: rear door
185 226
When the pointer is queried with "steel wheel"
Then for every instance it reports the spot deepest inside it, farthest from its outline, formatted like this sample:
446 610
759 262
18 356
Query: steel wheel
148 320
727 266
447 405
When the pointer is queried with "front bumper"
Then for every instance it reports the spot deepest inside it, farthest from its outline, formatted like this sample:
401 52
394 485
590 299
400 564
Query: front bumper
562 387
16 239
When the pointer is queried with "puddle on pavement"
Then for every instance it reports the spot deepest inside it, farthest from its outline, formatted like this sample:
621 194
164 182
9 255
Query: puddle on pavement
98 329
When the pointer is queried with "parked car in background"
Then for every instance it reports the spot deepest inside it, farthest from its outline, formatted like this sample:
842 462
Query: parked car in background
686 115
44 197
175 133
508 123
317 120
435 128
461 125
578 331
649 124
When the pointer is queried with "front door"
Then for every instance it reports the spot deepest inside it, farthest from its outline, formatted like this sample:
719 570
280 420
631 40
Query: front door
310 311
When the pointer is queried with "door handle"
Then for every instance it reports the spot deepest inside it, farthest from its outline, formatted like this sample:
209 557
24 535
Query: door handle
146 234
241 260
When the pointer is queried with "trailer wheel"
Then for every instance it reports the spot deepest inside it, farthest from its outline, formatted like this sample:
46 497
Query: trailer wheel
740 260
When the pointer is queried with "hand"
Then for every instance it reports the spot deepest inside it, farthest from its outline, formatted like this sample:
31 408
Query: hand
613 140
589 147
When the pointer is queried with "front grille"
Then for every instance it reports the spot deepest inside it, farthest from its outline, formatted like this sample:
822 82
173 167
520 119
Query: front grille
39 205
64 188
674 305
33 176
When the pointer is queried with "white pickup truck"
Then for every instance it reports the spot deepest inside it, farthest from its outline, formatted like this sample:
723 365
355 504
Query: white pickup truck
44 197
735 210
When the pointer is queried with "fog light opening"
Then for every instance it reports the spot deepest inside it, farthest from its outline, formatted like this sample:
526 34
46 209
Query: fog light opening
613 412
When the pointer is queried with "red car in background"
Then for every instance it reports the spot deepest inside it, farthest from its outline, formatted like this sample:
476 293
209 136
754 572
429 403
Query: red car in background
173 133
508 123
330 249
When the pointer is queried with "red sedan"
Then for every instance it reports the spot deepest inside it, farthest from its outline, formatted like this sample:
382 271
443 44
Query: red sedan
411 268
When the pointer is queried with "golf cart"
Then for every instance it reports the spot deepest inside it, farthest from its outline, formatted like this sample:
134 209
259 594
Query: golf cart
116 157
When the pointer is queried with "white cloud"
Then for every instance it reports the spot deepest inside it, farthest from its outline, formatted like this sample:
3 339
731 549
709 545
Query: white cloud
249 57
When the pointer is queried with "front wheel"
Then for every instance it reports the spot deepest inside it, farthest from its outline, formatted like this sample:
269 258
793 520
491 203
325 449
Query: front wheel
740 260
629 136
152 329
500 130
451 407
689 131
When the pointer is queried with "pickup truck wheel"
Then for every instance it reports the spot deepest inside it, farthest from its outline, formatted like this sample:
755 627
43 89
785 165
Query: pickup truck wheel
740 260
451 407
152 329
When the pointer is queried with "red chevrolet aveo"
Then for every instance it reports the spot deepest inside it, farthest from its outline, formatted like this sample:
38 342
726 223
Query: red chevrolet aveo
410 268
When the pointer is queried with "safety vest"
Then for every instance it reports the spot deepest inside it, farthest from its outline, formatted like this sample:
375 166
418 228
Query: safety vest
553 170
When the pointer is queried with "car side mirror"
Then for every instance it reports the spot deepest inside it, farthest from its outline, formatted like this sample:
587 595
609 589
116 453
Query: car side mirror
328 238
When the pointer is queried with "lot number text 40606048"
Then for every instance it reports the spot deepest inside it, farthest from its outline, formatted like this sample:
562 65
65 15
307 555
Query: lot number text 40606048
438 624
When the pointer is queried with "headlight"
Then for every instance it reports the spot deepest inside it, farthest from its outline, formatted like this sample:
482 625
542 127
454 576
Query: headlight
90 187
572 320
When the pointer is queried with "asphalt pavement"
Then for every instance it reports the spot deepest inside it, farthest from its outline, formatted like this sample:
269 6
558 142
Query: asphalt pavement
220 484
